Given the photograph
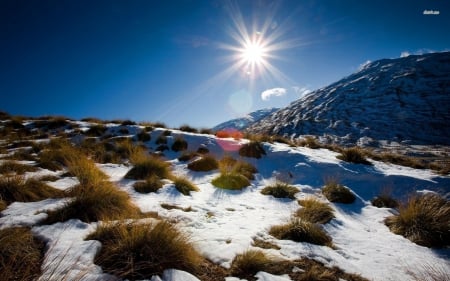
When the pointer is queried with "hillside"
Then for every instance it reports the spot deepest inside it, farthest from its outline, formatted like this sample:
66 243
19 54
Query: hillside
403 100
243 122
99 176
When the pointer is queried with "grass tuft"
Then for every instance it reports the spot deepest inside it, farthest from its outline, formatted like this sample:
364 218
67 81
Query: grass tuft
189 129
147 167
315 211
353 155
384 201
2 205
281 190
16 188
179 144
204 164
20 254
301 231
338 193
233 181
249 263
151 184
13 167
252 149
94 203
139 251
424 220
184 186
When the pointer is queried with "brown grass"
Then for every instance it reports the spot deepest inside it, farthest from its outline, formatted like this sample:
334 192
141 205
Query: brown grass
13 167
20 255
353 155
204 164
338 193
147 167
252 149
184 186
2 205
301 231
16 188
138 251
103 201
257 242
315 211
281 190
229 165
424 220
187 128
249 263
179 144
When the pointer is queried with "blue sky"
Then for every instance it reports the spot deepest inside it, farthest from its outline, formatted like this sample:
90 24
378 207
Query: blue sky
172 61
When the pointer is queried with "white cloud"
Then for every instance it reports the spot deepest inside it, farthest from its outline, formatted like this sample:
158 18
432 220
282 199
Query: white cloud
301 91
277 92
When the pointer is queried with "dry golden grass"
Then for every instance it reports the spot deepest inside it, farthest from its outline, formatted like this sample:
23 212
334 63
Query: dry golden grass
384 200
148 166
184 185
16 188
2 205
103 202
187 128
336 192
204 164
424 219
13 167
229 165
249 263
257 242
138 251
430 272
51 159
20 255
301 231
151 184
315 211
354 155
281 190
187 155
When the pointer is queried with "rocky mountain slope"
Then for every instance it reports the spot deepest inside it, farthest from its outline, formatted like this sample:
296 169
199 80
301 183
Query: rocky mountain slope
243 122
404 100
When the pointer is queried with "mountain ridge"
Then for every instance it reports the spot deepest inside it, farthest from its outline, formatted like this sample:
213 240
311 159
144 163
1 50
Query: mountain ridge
388 99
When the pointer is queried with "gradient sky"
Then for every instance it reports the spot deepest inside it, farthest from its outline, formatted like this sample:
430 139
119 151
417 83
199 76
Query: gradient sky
172 61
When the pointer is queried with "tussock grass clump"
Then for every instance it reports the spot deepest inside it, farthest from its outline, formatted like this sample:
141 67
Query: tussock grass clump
138 251
128 123
280 190
49 178
21 254
96 130
13 167
310 142
22 155
230 165
384 201
102 201
147 167
301 231
424 220
204 164
143 136
353 155
252 149
51 159
179 144
187 128
203 150
315 211
338 193
249 263
151 184
16 188
233 181
315 271
84 169
184 185
398 160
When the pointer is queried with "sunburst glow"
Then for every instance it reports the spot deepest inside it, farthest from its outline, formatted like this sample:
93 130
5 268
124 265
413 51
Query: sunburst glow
253 53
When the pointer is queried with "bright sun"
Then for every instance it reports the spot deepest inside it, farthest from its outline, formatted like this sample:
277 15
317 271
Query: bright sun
253 53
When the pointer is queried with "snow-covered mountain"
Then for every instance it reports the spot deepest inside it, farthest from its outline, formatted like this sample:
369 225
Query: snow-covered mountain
403 99
245 121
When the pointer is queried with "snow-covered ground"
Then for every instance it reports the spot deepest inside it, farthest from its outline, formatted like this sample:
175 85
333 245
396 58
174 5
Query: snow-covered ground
223 223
